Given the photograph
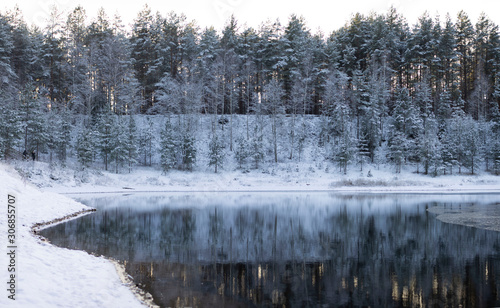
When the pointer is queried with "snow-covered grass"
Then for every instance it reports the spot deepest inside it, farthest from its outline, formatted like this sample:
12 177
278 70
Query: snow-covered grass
271 177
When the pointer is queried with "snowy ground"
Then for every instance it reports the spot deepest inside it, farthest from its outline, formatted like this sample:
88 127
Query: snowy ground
47 276
281 177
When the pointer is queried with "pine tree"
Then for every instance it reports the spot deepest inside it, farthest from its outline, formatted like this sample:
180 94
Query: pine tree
143 53
495 133
64 135
10 130
85 147
273 95
398 149
33 120
119 152
118 75
53 58
169 97
242 151
471 144
76 64
216 153
448 150
344 150
146 140
363 151
9 78
465 39
188 151
131 143
453 143
256 147
106 137
448 54
430 148
406 127
495 155
168 148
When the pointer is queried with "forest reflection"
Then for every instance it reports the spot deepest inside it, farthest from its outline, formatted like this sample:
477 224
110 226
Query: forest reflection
293 250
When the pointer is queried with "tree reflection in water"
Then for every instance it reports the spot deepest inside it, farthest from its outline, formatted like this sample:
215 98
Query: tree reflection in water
293 250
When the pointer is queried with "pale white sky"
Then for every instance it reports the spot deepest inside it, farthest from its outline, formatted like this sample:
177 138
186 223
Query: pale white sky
326 15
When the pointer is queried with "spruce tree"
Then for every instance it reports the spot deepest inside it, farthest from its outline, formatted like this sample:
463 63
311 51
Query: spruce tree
10 130
188 151
398 149
106 137
119 144
64 135
169 148
146 141
242 151
131 143
33 118
216 153
344 150
85 147
256 147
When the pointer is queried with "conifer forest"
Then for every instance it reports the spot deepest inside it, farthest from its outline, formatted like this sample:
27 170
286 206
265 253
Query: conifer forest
164 92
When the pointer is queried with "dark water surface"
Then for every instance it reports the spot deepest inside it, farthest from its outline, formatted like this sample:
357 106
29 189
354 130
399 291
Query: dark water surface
294 249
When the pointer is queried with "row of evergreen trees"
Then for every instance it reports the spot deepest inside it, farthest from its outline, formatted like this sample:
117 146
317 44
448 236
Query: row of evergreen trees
385 92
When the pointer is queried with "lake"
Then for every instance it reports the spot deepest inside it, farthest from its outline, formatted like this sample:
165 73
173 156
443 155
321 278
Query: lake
312 249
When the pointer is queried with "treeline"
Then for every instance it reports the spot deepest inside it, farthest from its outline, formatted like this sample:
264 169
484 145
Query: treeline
385 91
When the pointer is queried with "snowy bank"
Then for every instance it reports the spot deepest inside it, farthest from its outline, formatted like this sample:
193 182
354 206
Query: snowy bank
279 177
45 275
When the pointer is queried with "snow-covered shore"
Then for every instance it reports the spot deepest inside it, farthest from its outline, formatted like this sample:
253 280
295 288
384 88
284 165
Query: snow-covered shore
282 177
49 276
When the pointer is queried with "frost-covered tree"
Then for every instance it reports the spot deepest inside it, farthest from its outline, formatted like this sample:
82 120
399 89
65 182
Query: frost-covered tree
188 151
11 130
169 148
273 104
120 148
449 150
144 36
336 110
106 137
59 138
495 155
169 96
216 153
471 144
363 152
131 143
242 151
405 127
9 78
344 149
76 65
121 86
465 40
53 57
429 147
373 105
256 146
32 114
398 148
146 140
86 147
494 139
